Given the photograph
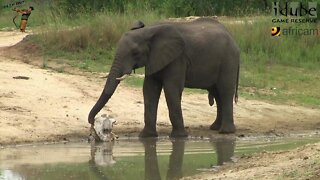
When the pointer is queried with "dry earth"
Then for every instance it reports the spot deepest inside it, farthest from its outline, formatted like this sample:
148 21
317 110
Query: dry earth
52 106
302 163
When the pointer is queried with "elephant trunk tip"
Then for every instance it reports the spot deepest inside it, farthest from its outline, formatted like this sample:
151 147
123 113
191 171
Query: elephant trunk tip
91 119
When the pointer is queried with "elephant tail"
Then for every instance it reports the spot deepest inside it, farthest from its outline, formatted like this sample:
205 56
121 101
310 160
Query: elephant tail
210 98
236 94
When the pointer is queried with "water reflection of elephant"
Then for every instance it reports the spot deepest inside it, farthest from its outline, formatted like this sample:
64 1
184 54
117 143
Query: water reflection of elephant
151 160
224 151
101 155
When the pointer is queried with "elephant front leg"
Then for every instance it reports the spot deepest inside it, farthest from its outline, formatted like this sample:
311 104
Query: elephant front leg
151 94
173 98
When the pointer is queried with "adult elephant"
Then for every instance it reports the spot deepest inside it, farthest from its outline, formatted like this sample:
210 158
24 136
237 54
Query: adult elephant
197 54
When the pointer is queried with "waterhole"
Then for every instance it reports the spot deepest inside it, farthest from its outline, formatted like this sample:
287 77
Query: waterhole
133 158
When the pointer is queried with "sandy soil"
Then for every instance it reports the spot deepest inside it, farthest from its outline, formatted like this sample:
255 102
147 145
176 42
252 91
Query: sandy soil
301 163
52 106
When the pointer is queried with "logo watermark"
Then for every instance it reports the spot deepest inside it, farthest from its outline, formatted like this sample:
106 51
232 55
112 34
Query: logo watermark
295 9
275 31
294 13
294 31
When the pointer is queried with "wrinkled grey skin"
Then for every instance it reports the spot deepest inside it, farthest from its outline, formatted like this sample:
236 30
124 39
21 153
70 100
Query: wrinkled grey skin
198 54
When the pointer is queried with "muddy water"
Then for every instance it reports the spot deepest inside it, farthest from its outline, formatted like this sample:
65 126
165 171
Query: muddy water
133 159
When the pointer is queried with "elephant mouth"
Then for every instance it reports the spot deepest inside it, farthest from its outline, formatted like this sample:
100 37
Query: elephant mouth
125 75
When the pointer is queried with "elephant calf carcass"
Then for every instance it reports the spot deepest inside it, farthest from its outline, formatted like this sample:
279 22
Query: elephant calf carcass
102 129
198 54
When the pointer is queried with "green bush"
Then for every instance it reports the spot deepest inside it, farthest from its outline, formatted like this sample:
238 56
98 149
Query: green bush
172 8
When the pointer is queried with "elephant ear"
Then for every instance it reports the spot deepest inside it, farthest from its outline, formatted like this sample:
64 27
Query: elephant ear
166 45
137 25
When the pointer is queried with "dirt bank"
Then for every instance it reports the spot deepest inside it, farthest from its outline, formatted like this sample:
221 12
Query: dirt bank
301 163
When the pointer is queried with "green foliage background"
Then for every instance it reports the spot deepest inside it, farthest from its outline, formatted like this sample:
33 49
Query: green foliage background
173 8
167 7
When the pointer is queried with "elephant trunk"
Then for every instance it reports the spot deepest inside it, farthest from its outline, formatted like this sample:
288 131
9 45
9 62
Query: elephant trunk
109 88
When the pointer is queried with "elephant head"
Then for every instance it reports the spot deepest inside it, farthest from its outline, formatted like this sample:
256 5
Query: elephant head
150 47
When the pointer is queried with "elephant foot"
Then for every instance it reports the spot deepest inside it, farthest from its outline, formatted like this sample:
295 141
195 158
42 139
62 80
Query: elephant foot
227 129
215 126
147 133
178 134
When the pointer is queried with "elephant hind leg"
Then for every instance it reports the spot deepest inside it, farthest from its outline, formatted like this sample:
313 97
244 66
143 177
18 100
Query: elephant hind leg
225 107
217 123
224 121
